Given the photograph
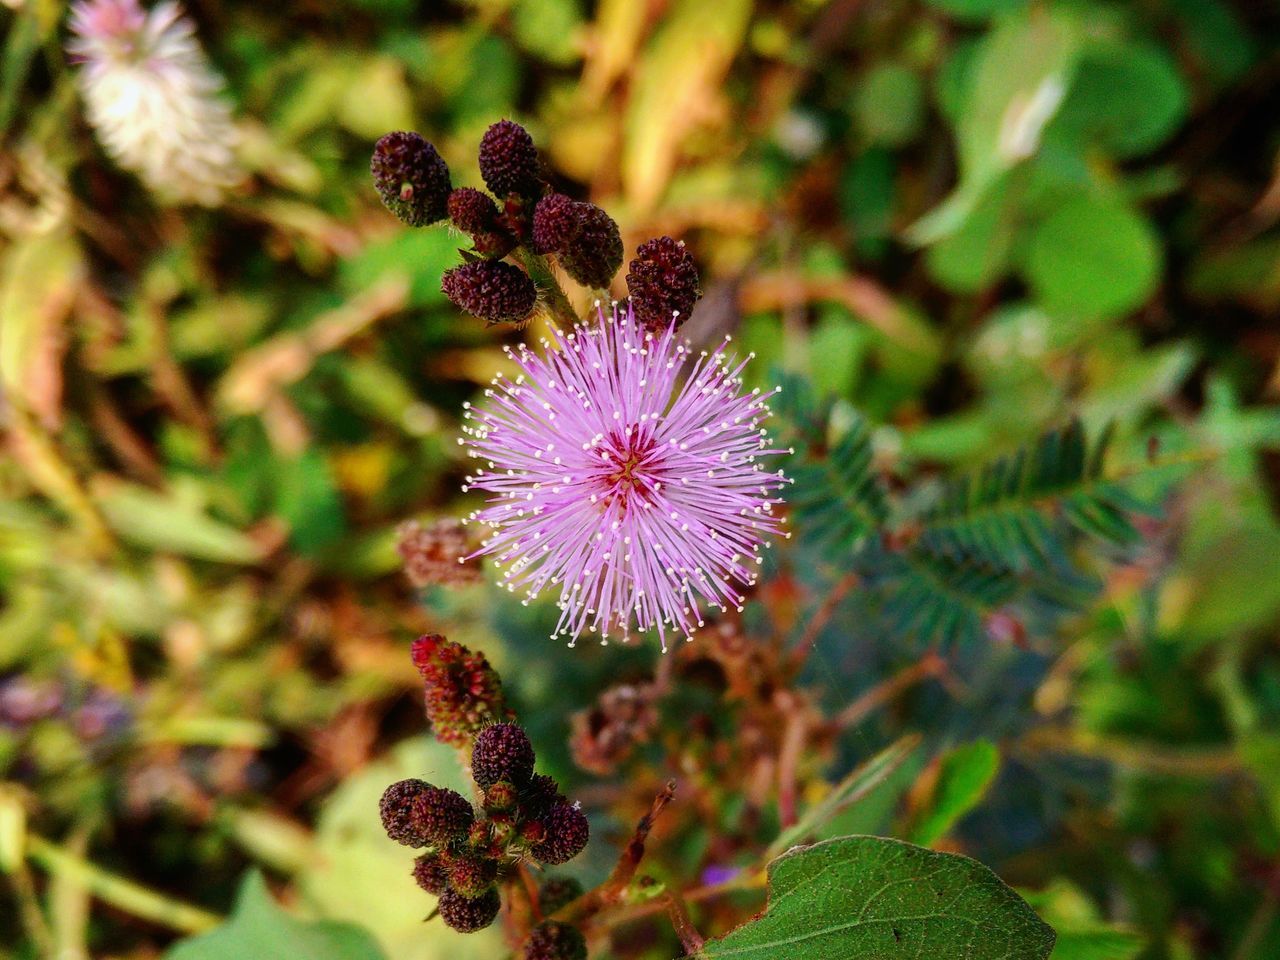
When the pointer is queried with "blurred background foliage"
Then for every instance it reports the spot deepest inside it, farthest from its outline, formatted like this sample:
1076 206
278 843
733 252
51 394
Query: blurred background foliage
968 220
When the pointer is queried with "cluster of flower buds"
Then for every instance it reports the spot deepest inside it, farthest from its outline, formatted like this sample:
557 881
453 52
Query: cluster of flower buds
523 814
523 214
462 693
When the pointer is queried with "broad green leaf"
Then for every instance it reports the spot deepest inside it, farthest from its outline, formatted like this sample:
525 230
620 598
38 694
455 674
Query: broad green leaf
167 523
966 773
1013 90
871 898
976 254
1095 257
1153 106
258 928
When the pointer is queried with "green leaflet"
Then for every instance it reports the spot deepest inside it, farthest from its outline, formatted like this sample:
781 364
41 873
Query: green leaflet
260 929
870 898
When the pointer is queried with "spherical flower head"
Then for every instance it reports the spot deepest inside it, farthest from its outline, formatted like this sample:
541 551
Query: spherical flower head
567 834
557 892
411 178
554 941
462 693
594 254
469 914
431 873
472 876
663 283
491 290
625 472
153 99
397 811
441 815
502 752
509 160
542 793
556 219
474 212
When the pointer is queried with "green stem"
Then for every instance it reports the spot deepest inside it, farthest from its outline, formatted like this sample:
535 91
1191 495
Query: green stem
118 892
556 302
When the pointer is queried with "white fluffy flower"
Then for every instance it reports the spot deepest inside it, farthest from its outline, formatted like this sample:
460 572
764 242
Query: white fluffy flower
153 98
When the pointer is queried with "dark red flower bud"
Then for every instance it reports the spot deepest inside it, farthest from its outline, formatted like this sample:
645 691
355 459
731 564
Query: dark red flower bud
396 809
462 692
472 876
430 872
502 752
663 282
567 835
467 914
595 253
475 213
509 160
472 210
542 793
442 815
554 941
557 892
500 796
556 219
491 290
411 178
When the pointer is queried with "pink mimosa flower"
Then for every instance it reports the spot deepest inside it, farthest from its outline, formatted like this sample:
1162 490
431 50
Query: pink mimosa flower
625 470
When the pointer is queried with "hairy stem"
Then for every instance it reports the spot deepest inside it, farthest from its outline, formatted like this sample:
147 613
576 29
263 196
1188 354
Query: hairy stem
552 294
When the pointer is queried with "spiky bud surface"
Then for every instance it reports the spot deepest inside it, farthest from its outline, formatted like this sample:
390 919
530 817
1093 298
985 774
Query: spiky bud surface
541 794
480 835
662 282
491 290
431 873
397 810
556 219
509 160
553 940
567 834
500 796
595 254
557 892
462 692
411 178
502 752
472 876
442 815
472 210
469 914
